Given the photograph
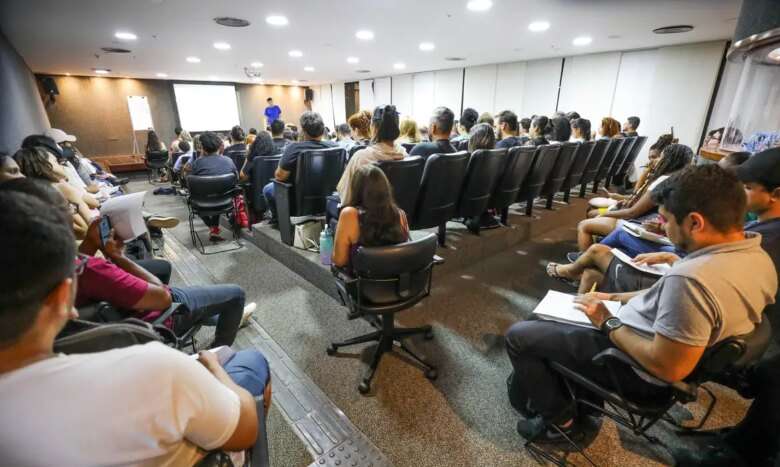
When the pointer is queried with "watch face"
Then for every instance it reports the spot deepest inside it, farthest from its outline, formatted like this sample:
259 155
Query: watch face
613 323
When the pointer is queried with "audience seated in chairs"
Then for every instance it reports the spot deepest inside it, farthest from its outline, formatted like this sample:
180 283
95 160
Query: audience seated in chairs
237 151
344 137
467 121
701 301
561 130
384 131
609 128
155 147
580 128
262 146
409 132
360 123
442 122
113 417
482 136
537 131
630 126
184 157
277 134
313 128
508 130
486 117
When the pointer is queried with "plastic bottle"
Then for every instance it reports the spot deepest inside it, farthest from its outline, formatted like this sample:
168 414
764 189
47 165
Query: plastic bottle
326 246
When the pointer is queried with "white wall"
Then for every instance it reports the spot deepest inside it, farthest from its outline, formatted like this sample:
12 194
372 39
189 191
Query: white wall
366 94
323 104
448 89
588 84
402 94
339 102
382 91
479 91
510 87
540 88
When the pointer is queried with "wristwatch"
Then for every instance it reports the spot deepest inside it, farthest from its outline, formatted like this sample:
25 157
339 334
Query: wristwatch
610 325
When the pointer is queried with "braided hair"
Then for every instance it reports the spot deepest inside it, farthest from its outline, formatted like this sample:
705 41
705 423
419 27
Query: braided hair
34 163
674 157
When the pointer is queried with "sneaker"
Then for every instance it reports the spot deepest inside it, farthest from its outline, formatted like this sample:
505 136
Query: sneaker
573 256
538 431
161 222
248 310
214 235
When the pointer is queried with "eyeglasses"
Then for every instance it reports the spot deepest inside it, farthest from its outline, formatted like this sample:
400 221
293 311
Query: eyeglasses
81 264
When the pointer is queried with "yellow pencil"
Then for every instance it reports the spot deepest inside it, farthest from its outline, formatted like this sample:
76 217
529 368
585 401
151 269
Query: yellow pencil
593 289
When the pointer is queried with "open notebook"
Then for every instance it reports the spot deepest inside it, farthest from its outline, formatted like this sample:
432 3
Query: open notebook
559 306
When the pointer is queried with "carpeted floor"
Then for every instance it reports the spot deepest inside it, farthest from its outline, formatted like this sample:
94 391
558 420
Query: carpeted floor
462 418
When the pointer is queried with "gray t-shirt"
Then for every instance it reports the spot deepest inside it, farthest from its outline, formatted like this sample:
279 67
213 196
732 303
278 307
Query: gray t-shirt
712 294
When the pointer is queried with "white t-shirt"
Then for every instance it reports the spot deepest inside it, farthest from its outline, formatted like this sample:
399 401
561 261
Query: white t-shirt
656 182
141 405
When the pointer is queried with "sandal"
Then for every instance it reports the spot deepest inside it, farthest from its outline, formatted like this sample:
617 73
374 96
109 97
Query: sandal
552 271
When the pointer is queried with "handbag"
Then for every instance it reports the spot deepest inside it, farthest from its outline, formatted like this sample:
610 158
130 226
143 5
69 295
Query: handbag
307 235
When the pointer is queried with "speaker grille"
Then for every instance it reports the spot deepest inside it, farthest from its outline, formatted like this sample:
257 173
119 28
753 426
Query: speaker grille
673 29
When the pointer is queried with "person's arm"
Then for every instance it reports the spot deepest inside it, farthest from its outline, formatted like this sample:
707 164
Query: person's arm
281 174
658 257
347 233
641 207
74 197
91 201
624 297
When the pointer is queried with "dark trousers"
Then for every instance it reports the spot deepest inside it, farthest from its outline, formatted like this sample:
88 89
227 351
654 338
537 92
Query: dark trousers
270 198
210 221
537 389
224 301
158 267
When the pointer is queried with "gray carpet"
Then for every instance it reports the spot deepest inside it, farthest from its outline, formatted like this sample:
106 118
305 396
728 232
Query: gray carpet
462 418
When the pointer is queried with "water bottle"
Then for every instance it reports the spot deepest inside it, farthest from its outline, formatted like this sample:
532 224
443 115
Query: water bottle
326 246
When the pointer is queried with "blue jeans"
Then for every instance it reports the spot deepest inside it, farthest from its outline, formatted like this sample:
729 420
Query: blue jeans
270 199
224 301
633 246
249 369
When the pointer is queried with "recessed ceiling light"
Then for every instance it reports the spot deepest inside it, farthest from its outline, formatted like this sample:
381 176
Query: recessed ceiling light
362 71
673 29
256 64
125 36
295 82
479 5
582 40
101 71
162 75
277 20
774 55
295 53
455 59
308 68
353 60
193 59
539 26
222 46
231 22
427 46
399 66
365 35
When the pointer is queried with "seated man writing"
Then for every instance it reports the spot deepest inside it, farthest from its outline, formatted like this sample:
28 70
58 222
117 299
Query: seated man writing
717 291
140 405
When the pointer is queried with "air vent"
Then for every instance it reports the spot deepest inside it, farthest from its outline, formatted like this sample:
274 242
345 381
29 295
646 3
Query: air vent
455 59
362 71
114 50
231 22
674 29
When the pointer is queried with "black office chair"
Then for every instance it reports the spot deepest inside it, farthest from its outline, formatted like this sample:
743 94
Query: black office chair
544 161
155 162
261 174
620 159
520 159
238 156
212 196
581 157
355 149
559 172
609 158
404 176
620 175
408 147
440 188
463 145
479 183
725 360
316 177
594 162
384 281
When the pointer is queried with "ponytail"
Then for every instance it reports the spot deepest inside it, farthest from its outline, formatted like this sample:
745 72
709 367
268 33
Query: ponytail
385 120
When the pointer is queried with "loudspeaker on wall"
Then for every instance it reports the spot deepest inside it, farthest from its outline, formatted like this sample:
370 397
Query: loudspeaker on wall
50 86
309 94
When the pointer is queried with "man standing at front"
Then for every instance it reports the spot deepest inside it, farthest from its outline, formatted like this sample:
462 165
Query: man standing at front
272 112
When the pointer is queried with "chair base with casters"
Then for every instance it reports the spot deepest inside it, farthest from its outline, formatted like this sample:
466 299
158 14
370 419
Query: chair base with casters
197 242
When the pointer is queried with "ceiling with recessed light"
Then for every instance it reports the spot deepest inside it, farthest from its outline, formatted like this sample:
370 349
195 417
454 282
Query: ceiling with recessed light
179 39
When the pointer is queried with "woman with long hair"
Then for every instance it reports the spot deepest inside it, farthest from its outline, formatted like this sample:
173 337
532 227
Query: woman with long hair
262 146
409 131
384 133
361 126
609 128
153 142
370 217
482 136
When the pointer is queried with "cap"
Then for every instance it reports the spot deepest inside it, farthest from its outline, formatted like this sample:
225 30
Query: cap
59 136
762 167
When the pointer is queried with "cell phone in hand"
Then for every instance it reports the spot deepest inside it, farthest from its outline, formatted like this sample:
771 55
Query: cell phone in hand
105 230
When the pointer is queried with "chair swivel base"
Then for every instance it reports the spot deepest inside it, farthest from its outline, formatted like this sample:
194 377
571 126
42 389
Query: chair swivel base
388 336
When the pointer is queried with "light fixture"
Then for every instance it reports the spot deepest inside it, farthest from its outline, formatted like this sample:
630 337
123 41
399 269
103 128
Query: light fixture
308 68
256 64
774 55
427 46
295 53
674 29
582 40
353 60
479 5
365 35
125 36
399 66
539 26
162 75
193 59
222 46
101 71
277 20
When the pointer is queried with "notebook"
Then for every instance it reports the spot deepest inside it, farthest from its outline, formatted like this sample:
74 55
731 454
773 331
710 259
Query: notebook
559 306
640 232
654 269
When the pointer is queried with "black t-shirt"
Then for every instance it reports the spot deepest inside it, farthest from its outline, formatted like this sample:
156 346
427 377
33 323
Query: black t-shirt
538 141
236 153
289 160
441 146
511 141
213 165
279 145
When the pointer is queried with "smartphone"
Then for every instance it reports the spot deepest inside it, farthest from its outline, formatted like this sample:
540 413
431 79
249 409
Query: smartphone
105 230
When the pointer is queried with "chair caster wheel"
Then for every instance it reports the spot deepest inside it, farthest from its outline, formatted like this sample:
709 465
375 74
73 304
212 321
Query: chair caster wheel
364 388
428 335
431 374
331 350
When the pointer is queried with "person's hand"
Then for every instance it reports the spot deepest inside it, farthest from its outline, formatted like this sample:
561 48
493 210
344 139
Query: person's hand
114 247
593 306
209 360
654 227
92 237
660 257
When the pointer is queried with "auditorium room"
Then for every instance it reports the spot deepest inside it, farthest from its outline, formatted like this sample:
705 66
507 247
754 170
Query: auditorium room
437 233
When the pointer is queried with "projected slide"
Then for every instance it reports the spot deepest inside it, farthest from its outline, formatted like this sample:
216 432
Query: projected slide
204 107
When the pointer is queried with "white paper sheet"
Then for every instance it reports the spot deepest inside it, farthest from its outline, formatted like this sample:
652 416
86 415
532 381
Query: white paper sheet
126 216
654 269
638 231
558 306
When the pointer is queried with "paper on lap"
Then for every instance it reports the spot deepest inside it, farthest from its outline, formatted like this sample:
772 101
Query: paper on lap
654 269
223 353
125 214
559 306
640 232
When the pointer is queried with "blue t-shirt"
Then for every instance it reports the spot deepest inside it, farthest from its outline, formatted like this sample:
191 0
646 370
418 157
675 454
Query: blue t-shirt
213 165
272 113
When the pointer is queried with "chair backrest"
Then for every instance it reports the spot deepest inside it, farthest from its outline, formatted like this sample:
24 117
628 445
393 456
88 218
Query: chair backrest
211 189
546 155
594 160
621 156
175 157
463 145
355 149
733 353
479 183
237 155
631 158
520 159
561 168
581 157
408 147
80 336
262 173
157 158
609 158
316 177
404 176
440 187
395 273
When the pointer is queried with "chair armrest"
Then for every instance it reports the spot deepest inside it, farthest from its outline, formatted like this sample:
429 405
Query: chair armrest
613 354
438 260
167 313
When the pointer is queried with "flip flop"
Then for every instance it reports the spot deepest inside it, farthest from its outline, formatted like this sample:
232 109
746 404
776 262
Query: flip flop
552 271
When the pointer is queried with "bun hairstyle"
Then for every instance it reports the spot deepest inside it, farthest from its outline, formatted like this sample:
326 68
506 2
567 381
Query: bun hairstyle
385 124
539 125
